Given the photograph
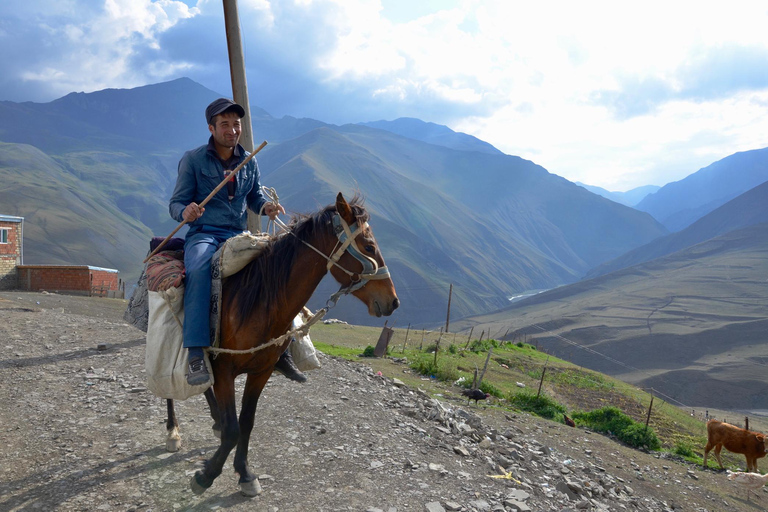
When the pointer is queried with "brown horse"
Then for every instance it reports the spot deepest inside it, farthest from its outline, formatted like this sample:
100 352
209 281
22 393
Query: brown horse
259 304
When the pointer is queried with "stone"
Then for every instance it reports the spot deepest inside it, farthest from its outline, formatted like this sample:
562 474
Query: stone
480 505
461 450
517 506
518 495
434 506
452 506
563 487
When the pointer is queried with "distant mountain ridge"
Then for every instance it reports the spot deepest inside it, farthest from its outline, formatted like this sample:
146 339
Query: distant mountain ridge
629 198
433 134
493 225
746 210
679 204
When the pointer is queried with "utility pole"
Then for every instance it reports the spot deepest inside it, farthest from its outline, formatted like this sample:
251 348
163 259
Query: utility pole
239 86
448 315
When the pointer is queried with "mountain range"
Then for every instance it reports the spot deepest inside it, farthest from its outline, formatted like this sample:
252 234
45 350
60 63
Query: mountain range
629 198
684 315
680 203
668 294
458 212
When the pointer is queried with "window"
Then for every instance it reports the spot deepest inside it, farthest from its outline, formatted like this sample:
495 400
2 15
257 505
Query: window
3 235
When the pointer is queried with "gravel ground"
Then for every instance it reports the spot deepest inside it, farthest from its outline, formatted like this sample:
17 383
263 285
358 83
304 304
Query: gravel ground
79 431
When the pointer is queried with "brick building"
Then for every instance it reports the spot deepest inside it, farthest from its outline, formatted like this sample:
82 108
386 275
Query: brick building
11 251
72 279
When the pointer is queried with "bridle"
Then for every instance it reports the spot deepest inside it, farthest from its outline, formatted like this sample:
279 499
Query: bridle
346 235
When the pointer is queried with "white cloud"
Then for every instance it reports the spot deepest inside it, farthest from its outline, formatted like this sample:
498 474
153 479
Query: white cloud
604 92
79 52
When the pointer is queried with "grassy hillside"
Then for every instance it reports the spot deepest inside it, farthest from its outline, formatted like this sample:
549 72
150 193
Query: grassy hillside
67 220
691 325
514 364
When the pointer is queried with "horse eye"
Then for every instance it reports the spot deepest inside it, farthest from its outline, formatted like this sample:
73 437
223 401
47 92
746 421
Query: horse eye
371 249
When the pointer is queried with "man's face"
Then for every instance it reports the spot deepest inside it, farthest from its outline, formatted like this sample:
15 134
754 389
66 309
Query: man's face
226 131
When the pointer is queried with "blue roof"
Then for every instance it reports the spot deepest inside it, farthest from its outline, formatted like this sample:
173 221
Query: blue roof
10 218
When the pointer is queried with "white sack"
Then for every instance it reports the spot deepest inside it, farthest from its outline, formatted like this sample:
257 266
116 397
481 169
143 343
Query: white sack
302 350
166 359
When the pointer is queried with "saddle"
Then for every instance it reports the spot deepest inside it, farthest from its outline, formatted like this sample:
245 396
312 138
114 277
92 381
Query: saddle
157 308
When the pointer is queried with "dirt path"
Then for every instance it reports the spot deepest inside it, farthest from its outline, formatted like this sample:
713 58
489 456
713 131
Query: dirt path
79 431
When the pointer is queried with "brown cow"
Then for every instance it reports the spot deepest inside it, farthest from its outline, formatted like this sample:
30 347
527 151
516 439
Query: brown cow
736 440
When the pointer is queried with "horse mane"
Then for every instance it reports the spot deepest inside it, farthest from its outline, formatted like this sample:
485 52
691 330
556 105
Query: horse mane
264 281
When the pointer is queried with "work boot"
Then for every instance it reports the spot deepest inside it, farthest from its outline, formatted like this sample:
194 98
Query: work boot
198 371
286 366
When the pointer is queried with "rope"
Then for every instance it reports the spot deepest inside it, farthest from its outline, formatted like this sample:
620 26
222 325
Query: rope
303 330
271 196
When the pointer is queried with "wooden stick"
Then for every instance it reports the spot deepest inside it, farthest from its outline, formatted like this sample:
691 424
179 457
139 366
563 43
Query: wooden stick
479 382
210 196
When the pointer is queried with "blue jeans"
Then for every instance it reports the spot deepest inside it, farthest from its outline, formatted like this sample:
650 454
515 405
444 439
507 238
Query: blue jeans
200 244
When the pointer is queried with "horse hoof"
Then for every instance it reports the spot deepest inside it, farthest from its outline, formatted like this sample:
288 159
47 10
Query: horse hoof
252 488
196 487
172 445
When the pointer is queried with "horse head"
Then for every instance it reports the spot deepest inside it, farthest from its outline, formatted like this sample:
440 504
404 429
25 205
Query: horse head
357 264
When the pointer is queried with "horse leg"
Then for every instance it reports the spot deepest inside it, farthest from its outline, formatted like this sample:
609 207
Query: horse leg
254 384
214 408
230 430
173 441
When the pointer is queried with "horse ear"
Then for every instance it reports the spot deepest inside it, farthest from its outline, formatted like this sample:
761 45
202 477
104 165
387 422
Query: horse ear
344 210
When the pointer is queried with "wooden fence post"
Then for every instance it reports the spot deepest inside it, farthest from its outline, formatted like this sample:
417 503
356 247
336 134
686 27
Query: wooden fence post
542 377
406 337
648 418
437 347
469 338
485 367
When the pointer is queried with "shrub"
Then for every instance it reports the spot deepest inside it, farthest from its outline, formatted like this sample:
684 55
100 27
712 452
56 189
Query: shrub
489 388
425 365
541 406
452 348
483 346
684 449
640 436
606 419
612 421
368 352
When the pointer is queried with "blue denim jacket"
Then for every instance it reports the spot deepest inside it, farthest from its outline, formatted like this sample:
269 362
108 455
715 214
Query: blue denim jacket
199 173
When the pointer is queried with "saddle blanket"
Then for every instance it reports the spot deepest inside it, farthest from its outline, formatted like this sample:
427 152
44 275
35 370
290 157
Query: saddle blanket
157 307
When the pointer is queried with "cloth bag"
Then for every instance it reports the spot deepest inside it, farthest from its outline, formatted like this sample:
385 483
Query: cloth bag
166 359
302 350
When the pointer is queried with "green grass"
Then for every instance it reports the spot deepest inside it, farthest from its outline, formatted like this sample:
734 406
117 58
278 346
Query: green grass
566 387
611 420
541 405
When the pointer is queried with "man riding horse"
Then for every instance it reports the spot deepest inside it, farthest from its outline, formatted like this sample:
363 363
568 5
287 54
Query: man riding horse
224 216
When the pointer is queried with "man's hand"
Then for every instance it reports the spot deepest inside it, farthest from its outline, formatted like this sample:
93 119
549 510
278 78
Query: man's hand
272 211
192 212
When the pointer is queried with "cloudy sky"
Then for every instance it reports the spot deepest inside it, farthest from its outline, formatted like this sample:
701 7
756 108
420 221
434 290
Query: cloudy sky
612 93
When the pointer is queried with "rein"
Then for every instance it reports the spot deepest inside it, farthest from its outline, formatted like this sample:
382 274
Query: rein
346 235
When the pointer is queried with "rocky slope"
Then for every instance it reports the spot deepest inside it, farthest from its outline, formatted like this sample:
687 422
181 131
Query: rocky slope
79 431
